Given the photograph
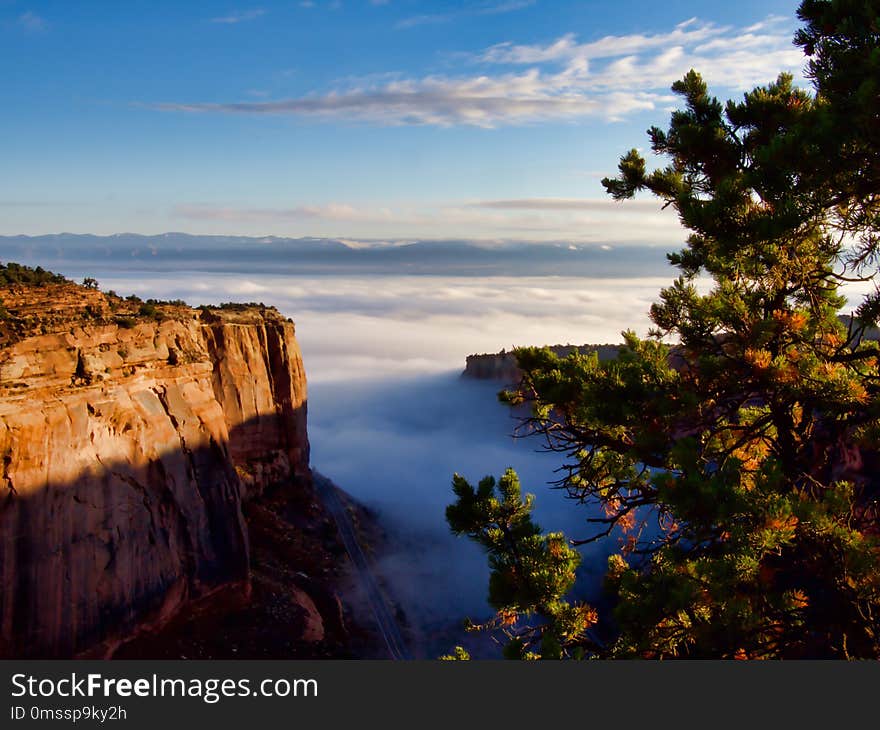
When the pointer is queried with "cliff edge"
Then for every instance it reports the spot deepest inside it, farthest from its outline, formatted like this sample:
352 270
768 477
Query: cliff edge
131 435
502 365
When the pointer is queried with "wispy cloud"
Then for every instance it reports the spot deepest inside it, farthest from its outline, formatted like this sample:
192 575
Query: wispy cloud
727 56
327 212
495 8
481 101
424 19
565 204
504 7
239 16
568 49
547 219
31 22
565 80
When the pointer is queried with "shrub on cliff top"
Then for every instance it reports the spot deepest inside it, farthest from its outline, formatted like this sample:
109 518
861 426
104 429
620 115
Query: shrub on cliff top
240 306
12 273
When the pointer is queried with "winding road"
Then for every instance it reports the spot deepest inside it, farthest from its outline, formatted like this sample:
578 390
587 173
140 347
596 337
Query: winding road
385 621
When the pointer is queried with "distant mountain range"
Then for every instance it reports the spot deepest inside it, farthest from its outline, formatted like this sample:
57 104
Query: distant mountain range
127 251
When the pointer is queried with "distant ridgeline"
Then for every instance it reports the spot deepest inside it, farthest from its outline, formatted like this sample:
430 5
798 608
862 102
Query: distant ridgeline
502 365
275 255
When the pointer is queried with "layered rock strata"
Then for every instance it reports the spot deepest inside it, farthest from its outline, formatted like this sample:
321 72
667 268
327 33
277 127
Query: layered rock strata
129 438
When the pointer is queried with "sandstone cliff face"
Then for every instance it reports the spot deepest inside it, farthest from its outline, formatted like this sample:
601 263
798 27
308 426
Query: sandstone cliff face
127 444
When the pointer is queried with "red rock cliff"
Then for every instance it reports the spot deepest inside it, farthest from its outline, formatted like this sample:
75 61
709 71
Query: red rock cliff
128 440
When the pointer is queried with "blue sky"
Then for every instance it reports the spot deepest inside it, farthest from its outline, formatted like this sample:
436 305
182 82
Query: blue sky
358 119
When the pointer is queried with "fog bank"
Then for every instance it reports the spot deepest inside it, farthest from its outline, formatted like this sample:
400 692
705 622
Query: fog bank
390 420
394 445
382 326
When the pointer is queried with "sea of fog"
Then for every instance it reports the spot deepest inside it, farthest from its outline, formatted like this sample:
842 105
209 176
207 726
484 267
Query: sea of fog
391 420
395 445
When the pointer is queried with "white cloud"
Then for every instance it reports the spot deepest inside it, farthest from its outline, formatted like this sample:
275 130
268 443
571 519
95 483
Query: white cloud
600 204
612 46
538 219
504 7
425 19
245 287
771 21
485 8
328 211
481 101
728 57
565 80
31 22
239 16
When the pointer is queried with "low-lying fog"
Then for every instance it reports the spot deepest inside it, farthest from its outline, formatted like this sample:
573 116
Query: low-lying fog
395 446
390 420
388 326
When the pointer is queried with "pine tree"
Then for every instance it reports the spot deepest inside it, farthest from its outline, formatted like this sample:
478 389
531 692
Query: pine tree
841 39
723 448
531 572
841 154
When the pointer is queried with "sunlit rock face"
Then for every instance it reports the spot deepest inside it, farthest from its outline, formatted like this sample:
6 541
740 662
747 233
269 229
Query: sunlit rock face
129 438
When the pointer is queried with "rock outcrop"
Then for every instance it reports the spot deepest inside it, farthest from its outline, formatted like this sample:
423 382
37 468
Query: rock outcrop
130 434
502 366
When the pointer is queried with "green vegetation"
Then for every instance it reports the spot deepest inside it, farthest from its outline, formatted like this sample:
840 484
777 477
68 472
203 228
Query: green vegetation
22 319
167 302
238 306
531 572
126 312
727 468
12 273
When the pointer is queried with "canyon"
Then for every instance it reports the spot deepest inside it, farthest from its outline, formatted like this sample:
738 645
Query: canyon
143 446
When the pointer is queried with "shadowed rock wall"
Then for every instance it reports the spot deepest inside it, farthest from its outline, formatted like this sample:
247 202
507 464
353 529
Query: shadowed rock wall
127 445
